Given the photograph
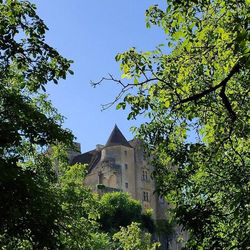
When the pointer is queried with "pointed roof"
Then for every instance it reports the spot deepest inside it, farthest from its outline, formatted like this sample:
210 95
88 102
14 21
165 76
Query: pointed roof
117 138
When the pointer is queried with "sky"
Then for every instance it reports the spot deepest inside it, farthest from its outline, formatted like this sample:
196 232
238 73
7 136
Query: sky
91 33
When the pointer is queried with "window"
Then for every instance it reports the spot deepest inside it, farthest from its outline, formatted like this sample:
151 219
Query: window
126 166
125 152
145 196
126 184
144 175
100 177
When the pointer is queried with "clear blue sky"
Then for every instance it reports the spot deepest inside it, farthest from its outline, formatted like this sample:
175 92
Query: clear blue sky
91 33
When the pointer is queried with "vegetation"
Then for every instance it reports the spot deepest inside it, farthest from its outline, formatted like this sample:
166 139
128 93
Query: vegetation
28 122
132 238
119 210
196 98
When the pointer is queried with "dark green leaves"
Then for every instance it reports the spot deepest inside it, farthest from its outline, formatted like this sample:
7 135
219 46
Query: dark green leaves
29 210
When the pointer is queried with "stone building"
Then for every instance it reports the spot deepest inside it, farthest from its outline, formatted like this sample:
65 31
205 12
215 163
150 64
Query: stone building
121 165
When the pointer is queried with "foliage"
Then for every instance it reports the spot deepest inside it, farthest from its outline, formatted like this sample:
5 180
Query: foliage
132 238
147 221
28 122
64 212
195 92
163 227
118 209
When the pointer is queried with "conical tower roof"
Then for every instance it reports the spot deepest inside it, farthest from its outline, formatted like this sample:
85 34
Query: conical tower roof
117 138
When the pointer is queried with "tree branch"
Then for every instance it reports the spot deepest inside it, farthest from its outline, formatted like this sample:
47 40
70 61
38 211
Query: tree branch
227 103
196 97
222 94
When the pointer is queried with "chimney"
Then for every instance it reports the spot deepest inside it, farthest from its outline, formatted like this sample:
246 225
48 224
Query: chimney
99 147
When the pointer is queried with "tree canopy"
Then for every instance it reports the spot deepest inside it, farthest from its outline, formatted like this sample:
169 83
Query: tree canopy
197 100
118 209
28 122
132 238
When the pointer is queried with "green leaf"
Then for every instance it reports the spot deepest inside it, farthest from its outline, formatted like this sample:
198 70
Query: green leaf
136 81
148 25
167 103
